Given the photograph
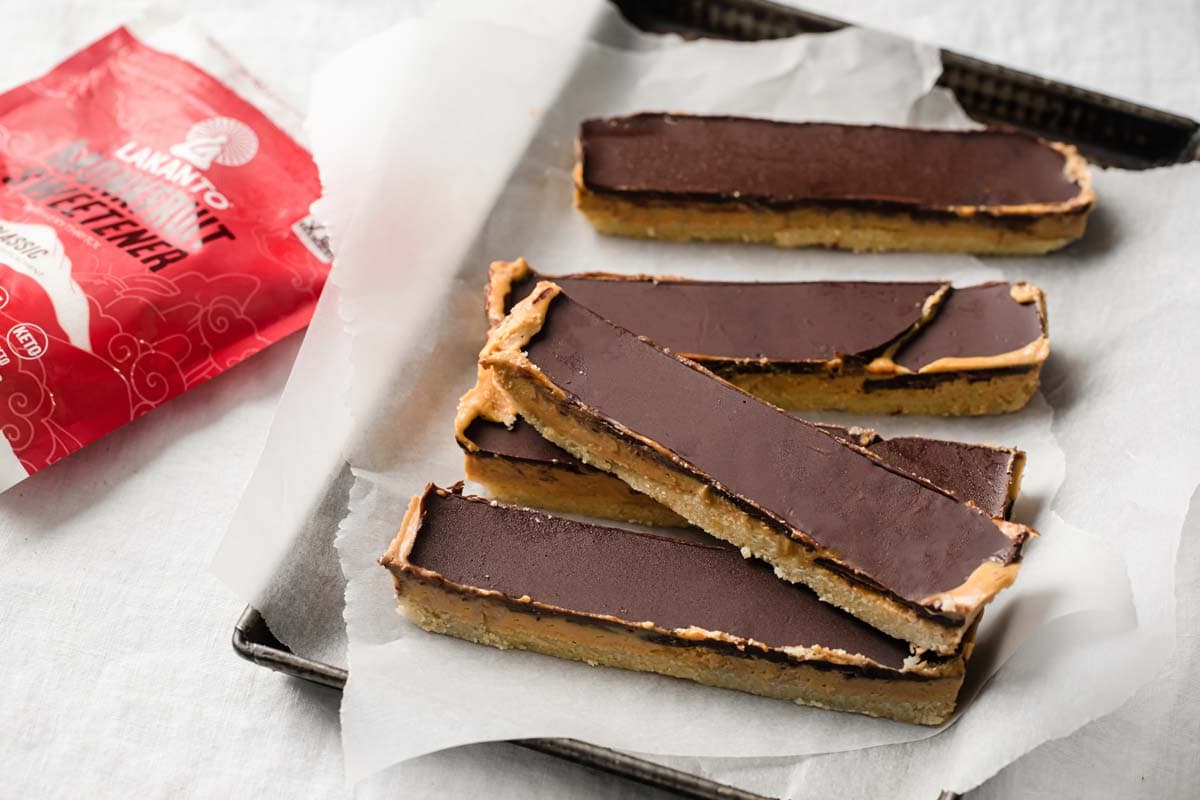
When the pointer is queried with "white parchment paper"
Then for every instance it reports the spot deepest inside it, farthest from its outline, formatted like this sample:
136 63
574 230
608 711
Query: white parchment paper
436 177
415 322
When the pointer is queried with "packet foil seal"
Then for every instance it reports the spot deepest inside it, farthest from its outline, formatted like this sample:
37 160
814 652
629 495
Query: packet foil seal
154 232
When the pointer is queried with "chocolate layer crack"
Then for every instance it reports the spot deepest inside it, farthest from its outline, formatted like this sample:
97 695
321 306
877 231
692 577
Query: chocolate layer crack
885 330
742 321
974 322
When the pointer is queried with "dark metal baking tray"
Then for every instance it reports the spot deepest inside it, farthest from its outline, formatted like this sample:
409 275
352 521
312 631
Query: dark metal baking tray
253 641
1108 130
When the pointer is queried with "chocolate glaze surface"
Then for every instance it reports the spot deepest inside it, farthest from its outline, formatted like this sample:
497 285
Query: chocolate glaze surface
896 532
521 441
801 325
738 159
977 473
814 321
636 577
981 320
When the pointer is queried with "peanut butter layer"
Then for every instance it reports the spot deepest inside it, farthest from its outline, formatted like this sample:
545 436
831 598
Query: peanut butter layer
512 577
892 549
981 474
870 347
772 164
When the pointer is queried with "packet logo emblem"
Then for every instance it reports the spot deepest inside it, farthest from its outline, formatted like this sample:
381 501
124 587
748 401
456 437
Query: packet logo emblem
224 140
27 340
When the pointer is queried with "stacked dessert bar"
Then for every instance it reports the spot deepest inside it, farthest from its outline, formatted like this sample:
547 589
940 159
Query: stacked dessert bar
844 569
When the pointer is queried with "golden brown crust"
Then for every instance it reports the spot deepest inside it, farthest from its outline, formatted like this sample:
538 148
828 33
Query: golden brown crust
643 465
964 395
842 228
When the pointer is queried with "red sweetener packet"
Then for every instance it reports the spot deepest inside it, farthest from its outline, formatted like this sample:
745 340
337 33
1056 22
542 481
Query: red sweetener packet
154 232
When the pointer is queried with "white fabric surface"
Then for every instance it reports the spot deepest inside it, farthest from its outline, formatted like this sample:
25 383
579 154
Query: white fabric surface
118 676
119 679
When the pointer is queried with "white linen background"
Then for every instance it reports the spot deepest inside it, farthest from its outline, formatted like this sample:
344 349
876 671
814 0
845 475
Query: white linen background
119 679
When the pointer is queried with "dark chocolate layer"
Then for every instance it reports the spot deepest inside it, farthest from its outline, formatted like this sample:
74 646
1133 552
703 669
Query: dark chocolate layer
981 320
895 531
975 473
813 321
799 326
737 159
521 441
636 577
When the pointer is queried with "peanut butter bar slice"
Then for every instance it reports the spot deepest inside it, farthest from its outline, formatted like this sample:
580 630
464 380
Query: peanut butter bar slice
892 549
858 187
858 346
516 465
514 578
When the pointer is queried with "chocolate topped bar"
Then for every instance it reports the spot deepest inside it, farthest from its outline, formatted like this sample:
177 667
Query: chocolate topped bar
772 163
827 345
889 547
632 576
516 578
921 540
980 474
859 187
